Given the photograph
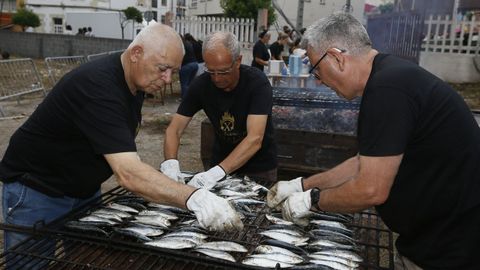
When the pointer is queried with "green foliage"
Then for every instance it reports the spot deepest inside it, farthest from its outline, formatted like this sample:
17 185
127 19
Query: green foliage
25 18
247 9
386 8
131 13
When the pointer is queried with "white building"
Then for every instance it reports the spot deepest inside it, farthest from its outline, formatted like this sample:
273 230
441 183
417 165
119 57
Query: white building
102 15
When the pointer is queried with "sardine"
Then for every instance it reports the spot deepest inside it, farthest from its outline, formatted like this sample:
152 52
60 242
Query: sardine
273 249
340 260
196 240
264 262
219 254
172 243
346 254
169 216
84 227
224 246
152 220
99 221
328 223
331 264
247 201
276 220
122 207
119 213
187 234
276 243
109 216
173 209
328 244
279 257
294 240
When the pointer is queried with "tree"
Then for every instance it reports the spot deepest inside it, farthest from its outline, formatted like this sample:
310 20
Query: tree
26 18
247 9
129 14
386 8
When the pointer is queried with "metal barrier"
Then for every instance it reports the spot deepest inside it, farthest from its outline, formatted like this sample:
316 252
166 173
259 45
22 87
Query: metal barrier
59 66
92 57
18 77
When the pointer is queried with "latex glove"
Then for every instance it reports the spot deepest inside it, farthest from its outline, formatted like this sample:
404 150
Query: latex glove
171 168
296 208
208 179
212 212
281 190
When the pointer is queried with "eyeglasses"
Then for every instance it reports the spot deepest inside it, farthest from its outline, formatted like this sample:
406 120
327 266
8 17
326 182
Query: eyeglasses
311 71
224 72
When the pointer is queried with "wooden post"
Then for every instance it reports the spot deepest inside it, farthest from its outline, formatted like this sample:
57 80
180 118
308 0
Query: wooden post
262 20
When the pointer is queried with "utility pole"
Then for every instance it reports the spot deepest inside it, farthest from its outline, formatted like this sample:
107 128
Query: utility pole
299 24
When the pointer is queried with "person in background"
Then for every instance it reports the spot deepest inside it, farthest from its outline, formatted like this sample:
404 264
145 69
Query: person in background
68 30
89 32
237 100
189 67
197 49
276 48
80 32
419 152
84 131
260 51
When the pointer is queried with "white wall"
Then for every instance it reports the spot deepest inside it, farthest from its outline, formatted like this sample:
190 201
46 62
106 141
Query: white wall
209 7
104 24
454 68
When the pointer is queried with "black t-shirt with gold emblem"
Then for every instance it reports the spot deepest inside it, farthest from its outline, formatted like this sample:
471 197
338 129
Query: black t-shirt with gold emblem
228 112
59 149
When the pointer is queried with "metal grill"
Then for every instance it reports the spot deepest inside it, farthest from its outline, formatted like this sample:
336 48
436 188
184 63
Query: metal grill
18 77
59 66
54 247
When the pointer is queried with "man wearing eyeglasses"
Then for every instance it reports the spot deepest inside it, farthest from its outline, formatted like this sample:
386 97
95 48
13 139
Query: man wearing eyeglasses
84 131
419 152
237 99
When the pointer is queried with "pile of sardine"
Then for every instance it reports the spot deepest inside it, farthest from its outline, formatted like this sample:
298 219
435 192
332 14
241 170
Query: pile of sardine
326 243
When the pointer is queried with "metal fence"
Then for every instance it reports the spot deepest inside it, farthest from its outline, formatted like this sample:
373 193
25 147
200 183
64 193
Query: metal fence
59 66
398 33
18 77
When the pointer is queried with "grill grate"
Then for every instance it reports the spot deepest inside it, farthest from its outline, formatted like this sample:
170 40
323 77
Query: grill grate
55 247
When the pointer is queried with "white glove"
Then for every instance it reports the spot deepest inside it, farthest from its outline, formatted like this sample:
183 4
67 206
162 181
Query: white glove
212 212
296 208
281 190
207 179
171 168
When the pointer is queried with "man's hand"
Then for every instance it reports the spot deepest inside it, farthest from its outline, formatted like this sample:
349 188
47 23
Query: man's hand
297 208
281 190
171 168
208 179
212 212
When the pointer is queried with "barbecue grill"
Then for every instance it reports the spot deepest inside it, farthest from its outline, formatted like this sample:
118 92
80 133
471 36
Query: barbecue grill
55 247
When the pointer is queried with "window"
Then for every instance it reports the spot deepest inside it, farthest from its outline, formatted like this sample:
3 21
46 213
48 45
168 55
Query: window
57 25
155 15
162 19
164 3
193 4
154 4
322 2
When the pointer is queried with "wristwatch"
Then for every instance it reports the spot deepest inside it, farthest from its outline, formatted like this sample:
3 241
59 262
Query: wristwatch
315 198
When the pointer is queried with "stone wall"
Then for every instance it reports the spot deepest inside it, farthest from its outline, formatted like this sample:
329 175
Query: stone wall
39 45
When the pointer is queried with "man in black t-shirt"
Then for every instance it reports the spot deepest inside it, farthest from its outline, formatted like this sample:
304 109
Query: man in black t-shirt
276 48
238 101
84 131
419 152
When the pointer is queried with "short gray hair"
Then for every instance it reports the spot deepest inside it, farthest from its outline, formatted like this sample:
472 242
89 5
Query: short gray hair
225 39
340 30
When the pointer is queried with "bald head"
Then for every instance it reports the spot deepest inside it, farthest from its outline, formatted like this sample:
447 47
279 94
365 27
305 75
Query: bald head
157 36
